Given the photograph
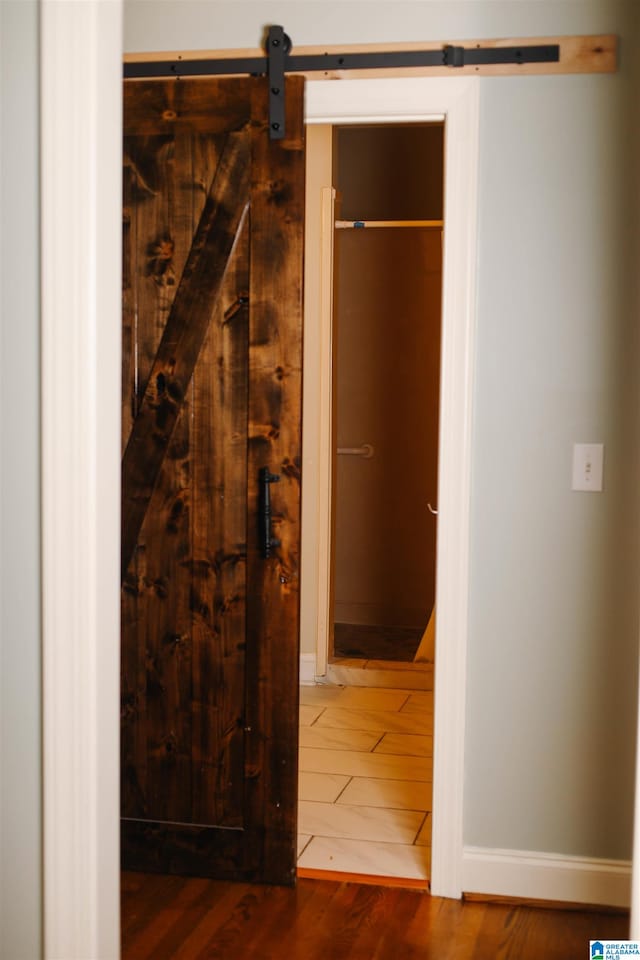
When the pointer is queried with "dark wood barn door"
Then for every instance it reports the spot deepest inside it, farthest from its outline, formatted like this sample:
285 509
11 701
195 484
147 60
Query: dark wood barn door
213 221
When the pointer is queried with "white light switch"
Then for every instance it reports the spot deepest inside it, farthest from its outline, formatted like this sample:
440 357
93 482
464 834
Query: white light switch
587 466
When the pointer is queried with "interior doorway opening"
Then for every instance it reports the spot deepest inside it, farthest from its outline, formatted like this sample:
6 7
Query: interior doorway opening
387 283
366 731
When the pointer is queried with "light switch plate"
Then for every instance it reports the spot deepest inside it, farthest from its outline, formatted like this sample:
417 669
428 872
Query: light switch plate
588 459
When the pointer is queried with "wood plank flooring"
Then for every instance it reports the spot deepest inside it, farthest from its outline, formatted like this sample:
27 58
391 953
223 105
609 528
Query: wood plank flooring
365 781
172 918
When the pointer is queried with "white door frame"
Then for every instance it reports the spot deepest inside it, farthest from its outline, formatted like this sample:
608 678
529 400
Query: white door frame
402 100
81 229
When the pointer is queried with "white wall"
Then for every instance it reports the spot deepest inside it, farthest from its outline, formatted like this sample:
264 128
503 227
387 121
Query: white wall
554 611
20 742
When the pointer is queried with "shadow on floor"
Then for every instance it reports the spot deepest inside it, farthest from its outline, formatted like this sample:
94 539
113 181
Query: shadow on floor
376 643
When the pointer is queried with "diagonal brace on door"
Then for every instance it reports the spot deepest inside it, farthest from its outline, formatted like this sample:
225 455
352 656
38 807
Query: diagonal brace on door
184 334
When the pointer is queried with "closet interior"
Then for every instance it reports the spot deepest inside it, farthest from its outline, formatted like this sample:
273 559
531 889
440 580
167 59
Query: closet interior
387 333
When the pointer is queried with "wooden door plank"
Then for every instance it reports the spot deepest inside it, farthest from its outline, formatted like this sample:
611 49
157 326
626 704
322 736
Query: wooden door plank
183 337
132 705
219 537
189 849
156 727
150 279
164 616
277 217
149 251
162 631
165 107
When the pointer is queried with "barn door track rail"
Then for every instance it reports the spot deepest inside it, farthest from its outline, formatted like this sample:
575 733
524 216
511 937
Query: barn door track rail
279 61
505 57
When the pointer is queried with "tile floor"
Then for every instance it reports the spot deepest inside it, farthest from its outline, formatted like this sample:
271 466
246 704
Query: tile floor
365 781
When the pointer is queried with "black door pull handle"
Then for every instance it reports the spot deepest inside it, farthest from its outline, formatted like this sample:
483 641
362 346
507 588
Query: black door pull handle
267 542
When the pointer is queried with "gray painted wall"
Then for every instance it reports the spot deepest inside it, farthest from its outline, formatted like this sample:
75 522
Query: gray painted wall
553 620
553 629
20 741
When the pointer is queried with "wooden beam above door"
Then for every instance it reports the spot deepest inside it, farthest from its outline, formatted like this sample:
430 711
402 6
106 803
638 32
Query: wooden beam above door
578 54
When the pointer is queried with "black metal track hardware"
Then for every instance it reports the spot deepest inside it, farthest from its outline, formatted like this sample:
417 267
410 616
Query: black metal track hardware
279 61
278 46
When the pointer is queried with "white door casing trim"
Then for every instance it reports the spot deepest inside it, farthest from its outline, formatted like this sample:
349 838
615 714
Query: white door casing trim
81 200
397 100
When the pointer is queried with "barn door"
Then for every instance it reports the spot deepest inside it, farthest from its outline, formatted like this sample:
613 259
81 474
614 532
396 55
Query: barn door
213 221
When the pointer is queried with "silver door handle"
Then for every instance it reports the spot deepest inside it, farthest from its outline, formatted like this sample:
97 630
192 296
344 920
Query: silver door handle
366 451
431 510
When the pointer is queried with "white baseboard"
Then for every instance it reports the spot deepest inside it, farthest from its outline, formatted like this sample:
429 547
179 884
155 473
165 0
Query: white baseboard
307 669
546 876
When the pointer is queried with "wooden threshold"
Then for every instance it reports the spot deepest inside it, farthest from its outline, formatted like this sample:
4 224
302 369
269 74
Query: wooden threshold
390 674
543 904
405 883
578 54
